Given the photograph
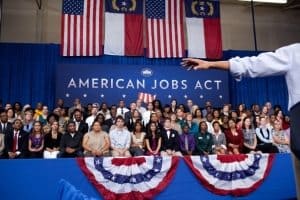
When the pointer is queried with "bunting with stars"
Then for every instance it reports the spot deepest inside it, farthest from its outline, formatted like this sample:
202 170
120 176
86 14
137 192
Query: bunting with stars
129 178
237 175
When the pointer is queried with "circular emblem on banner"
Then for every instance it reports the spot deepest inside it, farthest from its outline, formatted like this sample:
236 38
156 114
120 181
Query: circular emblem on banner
147 72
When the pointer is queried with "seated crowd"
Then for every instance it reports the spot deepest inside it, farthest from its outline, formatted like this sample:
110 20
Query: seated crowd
103 130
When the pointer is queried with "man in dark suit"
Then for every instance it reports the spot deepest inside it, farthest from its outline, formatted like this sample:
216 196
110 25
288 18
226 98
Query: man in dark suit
113 118
71 142
5 126
170 140
129 117
80 125
16 141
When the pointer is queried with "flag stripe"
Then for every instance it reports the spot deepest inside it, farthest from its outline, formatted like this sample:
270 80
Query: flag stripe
90 27
167 31
149 39
171 15
81 35
78 22
72 33
69 34
196 42
159 39
155 38
97 31
64 35
133 35
115 25
181 30
92 31
84 30
213 41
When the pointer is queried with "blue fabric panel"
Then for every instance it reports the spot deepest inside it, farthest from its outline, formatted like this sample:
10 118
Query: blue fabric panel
39 179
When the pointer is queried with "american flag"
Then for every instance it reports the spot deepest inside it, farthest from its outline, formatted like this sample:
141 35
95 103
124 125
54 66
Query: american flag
82 28
146 97
165 30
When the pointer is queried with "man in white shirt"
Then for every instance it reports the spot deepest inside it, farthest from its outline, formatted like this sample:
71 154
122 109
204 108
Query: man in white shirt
120 139
91 118
146 115
121 110
284 61
139 106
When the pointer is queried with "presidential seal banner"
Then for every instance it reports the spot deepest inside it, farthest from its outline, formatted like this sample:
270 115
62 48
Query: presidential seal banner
129 178
111 83
237 175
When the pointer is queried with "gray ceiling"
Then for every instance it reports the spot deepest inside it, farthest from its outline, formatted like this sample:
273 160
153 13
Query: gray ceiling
292 4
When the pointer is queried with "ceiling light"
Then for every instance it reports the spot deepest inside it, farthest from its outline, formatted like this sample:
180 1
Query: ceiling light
268 1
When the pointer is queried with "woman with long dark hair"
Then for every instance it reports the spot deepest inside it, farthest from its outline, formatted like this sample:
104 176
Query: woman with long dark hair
36 141
137 140
153 140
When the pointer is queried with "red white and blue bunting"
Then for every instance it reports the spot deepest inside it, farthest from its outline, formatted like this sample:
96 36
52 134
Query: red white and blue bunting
129 178
237 175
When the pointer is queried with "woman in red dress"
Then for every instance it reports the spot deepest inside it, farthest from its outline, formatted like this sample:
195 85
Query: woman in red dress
234 138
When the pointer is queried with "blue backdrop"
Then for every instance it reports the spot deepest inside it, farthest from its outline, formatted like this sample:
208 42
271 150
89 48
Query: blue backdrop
110 83
27 74
38 179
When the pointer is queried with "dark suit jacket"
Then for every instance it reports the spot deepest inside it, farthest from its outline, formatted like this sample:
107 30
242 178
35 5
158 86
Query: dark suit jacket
127 117
73 142
128 120
83 127
22 142
110 122
7 128
172 142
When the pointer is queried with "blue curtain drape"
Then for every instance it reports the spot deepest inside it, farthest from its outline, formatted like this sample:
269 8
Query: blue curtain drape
27 74
258 90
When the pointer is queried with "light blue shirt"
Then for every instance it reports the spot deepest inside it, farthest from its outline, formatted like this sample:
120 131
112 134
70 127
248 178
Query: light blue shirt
120 138
284 61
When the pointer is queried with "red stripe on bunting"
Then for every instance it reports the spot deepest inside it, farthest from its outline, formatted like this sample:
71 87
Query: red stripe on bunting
128 161
230 158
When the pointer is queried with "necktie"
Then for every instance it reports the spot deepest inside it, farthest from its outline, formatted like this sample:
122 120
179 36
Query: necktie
122 111
186 143
15 141
77 126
